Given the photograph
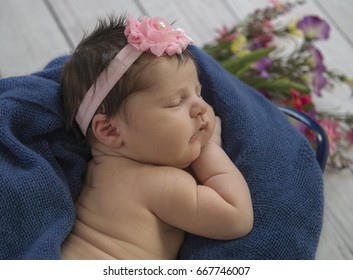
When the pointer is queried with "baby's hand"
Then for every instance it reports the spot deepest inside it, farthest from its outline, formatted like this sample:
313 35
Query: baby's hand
216 135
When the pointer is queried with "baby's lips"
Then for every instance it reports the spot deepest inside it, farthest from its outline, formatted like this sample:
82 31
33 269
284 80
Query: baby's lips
203 125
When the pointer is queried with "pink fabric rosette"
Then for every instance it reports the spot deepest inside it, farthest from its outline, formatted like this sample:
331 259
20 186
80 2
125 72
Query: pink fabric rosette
156 35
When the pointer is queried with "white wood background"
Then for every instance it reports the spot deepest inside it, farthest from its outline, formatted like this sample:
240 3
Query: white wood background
34 32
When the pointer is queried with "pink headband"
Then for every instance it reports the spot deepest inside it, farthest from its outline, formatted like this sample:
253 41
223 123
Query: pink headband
149 34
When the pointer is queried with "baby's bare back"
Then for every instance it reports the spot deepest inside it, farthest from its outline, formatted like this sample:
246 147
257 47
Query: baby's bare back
114 220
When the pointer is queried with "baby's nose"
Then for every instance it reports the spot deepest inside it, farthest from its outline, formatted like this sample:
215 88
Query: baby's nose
199 107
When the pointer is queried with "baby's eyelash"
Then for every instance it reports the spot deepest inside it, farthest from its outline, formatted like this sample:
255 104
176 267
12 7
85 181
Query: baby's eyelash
176 103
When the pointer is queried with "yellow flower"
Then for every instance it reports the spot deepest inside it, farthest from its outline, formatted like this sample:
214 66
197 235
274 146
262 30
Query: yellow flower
293 29
242 52
238 45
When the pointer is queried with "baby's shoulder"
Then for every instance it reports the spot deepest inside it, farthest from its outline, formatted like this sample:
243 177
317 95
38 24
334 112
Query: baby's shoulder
165 176
166 171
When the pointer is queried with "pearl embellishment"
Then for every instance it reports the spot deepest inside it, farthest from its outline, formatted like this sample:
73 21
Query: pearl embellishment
161 25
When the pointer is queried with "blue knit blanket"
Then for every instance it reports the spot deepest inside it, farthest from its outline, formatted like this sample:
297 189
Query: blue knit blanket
41 166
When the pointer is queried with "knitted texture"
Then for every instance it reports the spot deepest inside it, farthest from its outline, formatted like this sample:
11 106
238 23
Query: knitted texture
41 166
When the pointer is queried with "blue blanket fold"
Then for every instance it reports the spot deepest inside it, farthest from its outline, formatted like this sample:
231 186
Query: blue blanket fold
41 166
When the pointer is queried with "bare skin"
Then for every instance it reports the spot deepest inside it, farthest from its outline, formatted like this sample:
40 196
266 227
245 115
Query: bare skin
138 200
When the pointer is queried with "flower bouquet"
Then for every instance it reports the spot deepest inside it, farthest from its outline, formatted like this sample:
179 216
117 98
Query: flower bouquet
252 51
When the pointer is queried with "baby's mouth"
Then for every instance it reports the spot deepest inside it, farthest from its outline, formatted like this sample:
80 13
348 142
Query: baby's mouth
203 126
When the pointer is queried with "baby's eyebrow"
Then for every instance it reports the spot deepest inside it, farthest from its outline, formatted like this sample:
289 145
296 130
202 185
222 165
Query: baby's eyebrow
179 91
170 95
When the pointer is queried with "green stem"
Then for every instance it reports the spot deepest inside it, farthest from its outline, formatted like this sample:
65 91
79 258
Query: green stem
348 118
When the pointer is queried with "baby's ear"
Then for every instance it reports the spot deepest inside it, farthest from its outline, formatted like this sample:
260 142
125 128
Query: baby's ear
106 131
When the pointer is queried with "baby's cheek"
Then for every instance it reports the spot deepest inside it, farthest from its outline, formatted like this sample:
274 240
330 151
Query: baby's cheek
211 119
208 133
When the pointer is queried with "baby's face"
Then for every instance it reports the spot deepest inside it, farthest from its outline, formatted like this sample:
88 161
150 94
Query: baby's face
168 122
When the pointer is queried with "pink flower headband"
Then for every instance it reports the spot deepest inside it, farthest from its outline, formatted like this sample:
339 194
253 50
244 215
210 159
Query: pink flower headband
149 34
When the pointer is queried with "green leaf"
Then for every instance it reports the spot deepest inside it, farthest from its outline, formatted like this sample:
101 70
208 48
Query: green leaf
242 71
234 65
219 51
276 85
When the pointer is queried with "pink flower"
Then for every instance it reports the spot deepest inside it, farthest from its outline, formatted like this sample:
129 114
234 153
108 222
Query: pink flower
225 35
349 137
156 35
331 127
261 41
276 3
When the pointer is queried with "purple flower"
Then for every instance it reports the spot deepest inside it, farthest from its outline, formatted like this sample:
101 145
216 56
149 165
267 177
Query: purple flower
318 82
262 65
314 28
316 59
316 63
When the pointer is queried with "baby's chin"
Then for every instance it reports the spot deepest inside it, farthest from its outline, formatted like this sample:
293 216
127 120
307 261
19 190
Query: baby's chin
185 164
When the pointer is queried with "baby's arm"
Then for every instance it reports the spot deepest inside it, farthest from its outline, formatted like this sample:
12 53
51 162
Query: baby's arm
219 208
215 170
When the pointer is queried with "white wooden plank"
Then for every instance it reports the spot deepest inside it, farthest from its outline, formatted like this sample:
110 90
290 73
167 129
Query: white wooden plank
331 245
243 8
342 12
336 241
29 37
79 16
199 18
